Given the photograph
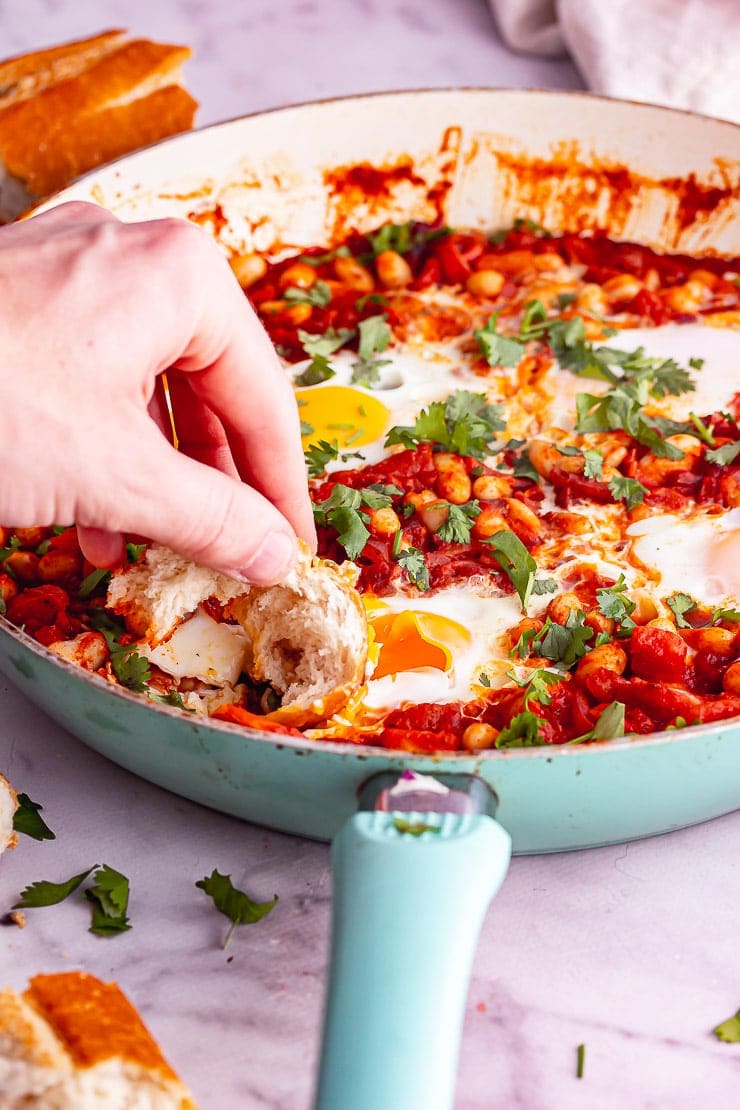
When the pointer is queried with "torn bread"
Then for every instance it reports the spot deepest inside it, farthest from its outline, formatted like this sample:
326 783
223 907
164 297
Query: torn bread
68 109
71 1042
306 636
8 806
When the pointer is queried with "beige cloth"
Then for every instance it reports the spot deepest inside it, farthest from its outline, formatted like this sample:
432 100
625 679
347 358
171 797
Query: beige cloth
683 53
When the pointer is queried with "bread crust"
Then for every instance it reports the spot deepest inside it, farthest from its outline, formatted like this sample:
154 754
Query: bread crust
26 74
124 97
66 1023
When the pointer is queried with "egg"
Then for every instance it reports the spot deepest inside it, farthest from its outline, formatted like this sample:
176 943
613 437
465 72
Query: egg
201 648
352 417
698 555
436 648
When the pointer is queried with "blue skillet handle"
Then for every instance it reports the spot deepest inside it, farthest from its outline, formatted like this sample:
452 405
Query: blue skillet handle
408 908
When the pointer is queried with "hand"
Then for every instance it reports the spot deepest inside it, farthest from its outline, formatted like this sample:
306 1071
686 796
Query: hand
92 311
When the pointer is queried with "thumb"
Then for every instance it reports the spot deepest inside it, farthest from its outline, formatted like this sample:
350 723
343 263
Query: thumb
198 511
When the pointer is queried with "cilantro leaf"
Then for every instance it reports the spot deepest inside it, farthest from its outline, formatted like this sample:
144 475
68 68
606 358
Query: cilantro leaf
375 335
580 1060
350 528
404 237
318 455
729 1031
318 295
594 461
535 685
460 518
319 347
233 903
679 604
515 561
328 256
484 680
134 552
724 455
628 490
412 561
109 898
131 669
523 731
44 893
498 349
414 828
615 605
465 423
564 643
319 370
27 819
172 697
609 726
725 614
94 579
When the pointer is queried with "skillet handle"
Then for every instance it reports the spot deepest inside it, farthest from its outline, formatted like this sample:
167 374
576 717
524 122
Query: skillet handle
407 911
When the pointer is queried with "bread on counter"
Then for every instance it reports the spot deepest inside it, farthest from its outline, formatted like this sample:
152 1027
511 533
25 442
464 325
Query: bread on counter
71 1042
8 806
70 108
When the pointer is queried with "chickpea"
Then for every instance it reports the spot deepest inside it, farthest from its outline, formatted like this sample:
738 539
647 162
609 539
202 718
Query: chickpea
298 276
651 280
622 288
299 313
248 268
433 516
88 650
423 497
485 283
490 487
24 565
687 298
548 262
545 458
527 624
488 522
354 275
383 522
453 479
272 308
8 588
58 566
731 681
591 299
525 523
393 270
562 606
479 736
610 656
599 623
717 640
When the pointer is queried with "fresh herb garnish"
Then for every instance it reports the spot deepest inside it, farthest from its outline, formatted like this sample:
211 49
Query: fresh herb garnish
27 819
172 697
374 337
484 680
414 828
318 296
404 237
233 903
109 899
318 348
535 685
94 579
44 893
518 565
594 463
465 424
328 256
134 552
724 455
460 519
319 455
729 1031
615 605
679 604
580 1060
412 561
523 731
609 726
342 512
628 490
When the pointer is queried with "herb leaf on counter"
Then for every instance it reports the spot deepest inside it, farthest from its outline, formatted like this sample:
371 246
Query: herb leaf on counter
233 903
729 1031
27 819
44 893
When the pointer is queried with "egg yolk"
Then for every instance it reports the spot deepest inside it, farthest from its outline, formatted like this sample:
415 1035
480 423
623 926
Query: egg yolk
337 412
412 639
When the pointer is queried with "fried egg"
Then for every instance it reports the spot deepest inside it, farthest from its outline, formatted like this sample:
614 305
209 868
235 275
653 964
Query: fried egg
698 554
201 648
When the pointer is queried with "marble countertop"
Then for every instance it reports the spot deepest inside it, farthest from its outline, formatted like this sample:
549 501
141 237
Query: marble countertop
630 950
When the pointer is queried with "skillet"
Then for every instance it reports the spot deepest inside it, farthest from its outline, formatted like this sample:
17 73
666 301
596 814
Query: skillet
408 907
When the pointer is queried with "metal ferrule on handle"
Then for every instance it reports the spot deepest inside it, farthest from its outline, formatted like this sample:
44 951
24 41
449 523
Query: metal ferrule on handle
411 889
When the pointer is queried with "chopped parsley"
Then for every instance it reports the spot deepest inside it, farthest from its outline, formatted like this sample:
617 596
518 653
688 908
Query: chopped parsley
729 1031
724 455
318 348
628 490
465 424
523 731
460 519
343 512
44 893
594 464
563 644
94 579
374 337
609 726
318 296
414 828
679 604
536 684
233 903
27 819
615 605
404 237
412 561
108 897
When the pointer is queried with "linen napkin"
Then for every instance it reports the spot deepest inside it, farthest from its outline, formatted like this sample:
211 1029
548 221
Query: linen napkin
683 53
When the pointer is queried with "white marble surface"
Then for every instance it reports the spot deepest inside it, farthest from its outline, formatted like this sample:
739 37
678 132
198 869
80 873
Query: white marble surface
631 950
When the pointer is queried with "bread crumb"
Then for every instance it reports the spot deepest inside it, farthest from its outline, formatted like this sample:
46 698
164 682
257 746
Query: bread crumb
15 917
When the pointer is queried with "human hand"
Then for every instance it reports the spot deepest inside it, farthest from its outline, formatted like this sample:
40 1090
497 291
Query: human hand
92 311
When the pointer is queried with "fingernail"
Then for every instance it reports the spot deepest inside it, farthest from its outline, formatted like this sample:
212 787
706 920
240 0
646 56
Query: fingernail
273 559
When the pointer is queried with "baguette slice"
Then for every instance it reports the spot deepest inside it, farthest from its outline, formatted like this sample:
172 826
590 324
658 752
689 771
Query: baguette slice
307 635
8 806
71 1042
68 109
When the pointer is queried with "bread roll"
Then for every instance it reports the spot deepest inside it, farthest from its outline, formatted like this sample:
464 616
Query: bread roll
307 635
8 806
71 1042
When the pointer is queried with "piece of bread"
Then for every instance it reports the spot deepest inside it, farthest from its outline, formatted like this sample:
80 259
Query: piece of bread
308 634
8 806
71 1042
68 109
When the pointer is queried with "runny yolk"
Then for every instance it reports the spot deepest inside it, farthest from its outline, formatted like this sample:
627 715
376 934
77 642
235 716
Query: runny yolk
337 412
411 639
